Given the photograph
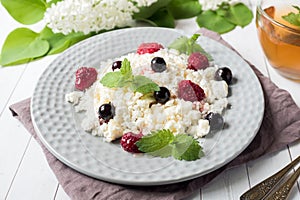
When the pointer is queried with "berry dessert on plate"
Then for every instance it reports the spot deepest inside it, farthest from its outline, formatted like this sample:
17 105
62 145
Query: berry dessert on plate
154 99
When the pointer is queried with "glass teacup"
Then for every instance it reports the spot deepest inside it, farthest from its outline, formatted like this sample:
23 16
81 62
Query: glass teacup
279 38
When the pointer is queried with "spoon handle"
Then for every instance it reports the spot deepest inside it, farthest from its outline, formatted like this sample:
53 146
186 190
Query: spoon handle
283 191
263 188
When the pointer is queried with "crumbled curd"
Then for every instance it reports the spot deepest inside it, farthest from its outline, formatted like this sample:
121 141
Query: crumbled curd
132 110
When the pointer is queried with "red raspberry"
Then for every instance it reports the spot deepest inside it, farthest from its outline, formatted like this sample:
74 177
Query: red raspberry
128 141
197 61
189 91
149 48
85 77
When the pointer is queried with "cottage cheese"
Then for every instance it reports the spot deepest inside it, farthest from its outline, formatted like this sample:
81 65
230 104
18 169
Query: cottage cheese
132 111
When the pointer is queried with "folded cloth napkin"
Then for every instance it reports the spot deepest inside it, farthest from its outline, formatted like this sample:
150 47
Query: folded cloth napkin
279 128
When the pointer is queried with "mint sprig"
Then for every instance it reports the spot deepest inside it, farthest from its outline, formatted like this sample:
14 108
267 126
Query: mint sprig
163 143
125 78
189 45
293 18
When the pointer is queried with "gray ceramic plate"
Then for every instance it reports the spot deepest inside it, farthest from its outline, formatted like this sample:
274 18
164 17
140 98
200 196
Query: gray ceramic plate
58 126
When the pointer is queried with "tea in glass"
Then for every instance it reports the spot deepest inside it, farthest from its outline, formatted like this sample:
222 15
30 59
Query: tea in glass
279 38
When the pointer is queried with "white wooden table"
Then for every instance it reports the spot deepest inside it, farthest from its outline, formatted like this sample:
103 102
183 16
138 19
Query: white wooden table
25 174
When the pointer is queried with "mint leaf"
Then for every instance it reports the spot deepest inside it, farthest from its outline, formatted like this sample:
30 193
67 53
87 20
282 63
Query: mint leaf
155 141
186 148
180 44
144 85
125 78
181 143
25 11
293 18
189 45
111 79
147 88
125 69
120 78
164 152
23 45
163 143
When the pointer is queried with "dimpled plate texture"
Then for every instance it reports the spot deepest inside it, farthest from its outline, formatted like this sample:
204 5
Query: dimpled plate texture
58 126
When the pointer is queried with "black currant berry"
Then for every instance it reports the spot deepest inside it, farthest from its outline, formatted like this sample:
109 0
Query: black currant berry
224 74
216 121
106 111
158 64
116 65
162 96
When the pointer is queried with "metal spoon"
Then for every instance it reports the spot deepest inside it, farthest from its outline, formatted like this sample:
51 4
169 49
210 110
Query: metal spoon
283 191
263 188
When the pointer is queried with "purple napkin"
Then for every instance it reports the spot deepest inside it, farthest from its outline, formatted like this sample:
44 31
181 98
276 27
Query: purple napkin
279 128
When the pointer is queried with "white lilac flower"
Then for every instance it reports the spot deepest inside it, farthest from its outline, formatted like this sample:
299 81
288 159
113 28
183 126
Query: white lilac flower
214 4
92 15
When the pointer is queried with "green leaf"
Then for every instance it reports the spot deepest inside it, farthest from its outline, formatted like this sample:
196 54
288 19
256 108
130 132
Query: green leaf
60 42
163 143
182 9
293 18
189 45
144 85
212 21
111 79
125 69
192 45
22 61
180 44
147 88
186 148
162 18
146 12
22 45
164 152
25 11
238 14
155 141
297 8
124 78
56 43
